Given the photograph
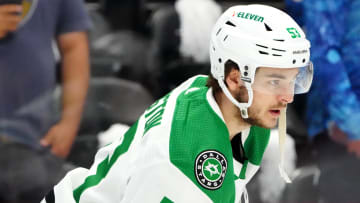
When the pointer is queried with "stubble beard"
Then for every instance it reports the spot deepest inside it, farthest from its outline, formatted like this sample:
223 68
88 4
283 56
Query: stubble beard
254 118
253 113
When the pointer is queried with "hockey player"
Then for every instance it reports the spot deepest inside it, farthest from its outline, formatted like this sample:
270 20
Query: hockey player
204 140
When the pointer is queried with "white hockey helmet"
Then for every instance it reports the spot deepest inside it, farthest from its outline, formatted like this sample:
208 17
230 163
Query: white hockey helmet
254 36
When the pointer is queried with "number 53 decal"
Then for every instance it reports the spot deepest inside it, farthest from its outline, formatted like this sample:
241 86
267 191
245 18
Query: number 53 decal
293 32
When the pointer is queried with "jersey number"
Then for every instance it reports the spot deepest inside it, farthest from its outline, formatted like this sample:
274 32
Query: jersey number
293 32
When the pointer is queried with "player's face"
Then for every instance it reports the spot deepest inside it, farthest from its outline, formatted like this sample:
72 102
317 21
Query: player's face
273 89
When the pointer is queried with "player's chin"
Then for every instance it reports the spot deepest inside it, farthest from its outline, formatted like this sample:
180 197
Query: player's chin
269 123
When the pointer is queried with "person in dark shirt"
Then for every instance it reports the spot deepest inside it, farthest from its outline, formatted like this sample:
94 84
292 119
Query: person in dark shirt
34 140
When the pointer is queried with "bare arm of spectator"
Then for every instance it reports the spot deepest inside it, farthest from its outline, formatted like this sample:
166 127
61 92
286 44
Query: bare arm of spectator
354 147
339 136
75 73
8 19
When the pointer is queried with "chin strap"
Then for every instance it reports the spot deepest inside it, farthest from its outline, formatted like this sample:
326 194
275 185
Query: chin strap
282 137
242 106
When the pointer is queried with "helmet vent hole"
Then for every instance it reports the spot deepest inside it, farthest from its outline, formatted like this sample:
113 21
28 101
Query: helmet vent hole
230 23
278 50
294 61
217 33
279 40
267 27
225 37
261 46
276 55
220 60
303 60
263 52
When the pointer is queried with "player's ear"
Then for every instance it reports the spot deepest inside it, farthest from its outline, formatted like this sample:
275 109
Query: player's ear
233 80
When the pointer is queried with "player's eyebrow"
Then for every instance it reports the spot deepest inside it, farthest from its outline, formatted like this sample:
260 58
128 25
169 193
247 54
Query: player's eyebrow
275 75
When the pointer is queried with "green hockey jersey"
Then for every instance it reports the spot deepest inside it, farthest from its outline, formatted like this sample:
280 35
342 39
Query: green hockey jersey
178 151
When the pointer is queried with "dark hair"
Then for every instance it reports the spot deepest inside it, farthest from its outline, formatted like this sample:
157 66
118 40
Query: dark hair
212 82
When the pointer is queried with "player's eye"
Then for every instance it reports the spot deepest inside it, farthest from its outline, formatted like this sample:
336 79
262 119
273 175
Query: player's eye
274 83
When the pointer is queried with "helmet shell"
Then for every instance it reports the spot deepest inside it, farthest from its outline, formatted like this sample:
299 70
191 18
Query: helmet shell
255 36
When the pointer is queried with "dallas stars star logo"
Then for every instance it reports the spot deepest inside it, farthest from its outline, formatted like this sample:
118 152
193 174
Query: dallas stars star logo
210 169
213 169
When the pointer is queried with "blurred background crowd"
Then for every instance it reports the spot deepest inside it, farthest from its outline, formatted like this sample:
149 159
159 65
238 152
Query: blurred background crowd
86 70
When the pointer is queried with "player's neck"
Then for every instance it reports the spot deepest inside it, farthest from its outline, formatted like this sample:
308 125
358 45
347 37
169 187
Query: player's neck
231 114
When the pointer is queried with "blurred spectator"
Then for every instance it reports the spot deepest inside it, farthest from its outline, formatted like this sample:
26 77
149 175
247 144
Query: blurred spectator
194 43
333 107
33 139
181 41
125 14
